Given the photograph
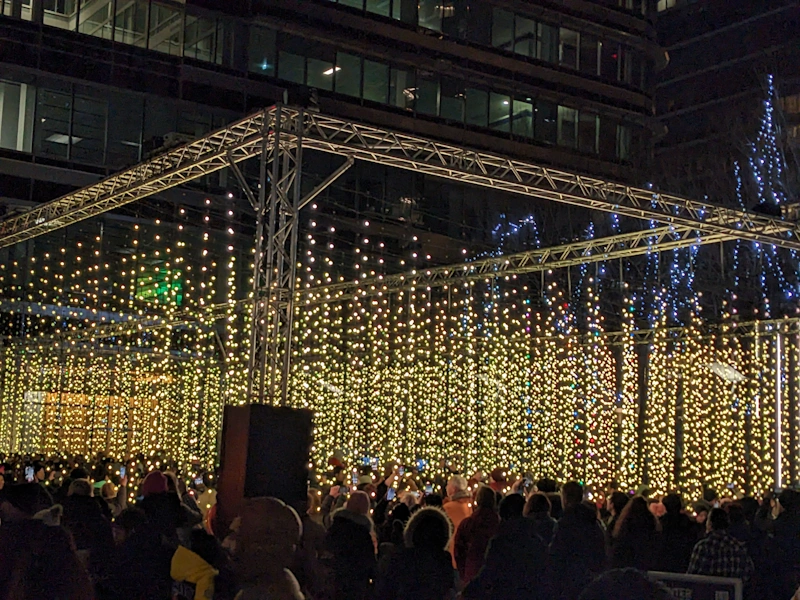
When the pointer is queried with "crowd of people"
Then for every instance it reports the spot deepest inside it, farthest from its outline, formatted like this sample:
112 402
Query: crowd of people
73 528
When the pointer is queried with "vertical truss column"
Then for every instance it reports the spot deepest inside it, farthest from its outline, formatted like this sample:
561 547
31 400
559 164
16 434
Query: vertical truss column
275 262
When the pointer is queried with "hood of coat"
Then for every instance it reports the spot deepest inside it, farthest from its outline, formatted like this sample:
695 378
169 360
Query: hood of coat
353 517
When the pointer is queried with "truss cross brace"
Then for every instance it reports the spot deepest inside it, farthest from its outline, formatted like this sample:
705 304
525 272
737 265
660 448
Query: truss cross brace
278 203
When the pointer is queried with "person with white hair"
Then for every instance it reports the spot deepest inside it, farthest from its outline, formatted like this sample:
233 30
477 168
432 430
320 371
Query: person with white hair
458 504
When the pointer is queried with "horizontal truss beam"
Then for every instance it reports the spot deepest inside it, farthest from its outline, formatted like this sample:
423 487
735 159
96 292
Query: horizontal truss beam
243 139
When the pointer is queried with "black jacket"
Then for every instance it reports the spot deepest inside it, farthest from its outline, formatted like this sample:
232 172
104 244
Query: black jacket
678 537
350 553
577 553
515 564
417 574
545 526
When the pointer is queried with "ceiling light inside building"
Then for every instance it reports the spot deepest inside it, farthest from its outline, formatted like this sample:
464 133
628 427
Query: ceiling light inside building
332 70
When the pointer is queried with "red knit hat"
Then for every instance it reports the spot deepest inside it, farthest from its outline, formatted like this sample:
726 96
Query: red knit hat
154 483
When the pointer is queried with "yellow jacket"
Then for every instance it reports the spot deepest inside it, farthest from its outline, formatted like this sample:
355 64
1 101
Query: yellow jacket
189 567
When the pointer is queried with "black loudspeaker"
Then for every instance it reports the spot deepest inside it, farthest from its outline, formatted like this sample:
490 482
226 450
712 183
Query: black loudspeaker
265 452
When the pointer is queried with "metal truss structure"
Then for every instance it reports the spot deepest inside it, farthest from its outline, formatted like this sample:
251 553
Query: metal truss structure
280 135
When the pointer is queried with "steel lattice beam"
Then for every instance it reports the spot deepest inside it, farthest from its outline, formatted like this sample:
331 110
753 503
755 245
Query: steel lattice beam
240 140
244 139
365 142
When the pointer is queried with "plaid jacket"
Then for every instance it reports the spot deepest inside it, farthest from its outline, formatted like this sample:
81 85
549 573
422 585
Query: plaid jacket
721 555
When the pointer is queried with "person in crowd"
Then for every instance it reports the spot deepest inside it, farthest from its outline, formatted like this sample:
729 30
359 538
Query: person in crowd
115 498
433 500
142 567
678 536
307 567
350 546
515 558
38 561
497 480
207 497
577 552
422 569
473 534
615 504
625 584
22 501
89 528
458 504
556 505
719 554
266 541
537 509
547 486
782 552
637 537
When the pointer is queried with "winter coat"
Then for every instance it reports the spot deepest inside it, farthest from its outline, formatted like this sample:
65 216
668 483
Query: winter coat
191 575
471 541
514 566
577 552
90 530
678 537
783 555
544 524
417 574
350 553
636 549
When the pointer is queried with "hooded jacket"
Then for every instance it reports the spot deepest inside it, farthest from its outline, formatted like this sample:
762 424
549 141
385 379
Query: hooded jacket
350 553
188 567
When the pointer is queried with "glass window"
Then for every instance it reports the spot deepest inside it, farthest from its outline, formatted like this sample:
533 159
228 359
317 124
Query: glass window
402 88
568 48
96 18
567 127
546 129
262 50
477 107
88 128
202 39
522 118
320 73
53 113
348 74
454 19
588 132
525 37
431 12
58 13
499 112
124 130
631 67
17 102
608 138
623 142
453 100
590 62
166 29
376 81
503 29
160 118
609 60
194 122
291 67
380 7
359 4
405 11
427 94
547 43
479 23
130 23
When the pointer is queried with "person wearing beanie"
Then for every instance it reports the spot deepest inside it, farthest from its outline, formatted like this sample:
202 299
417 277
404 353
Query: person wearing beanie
268 534
422 569
350 548
154 483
